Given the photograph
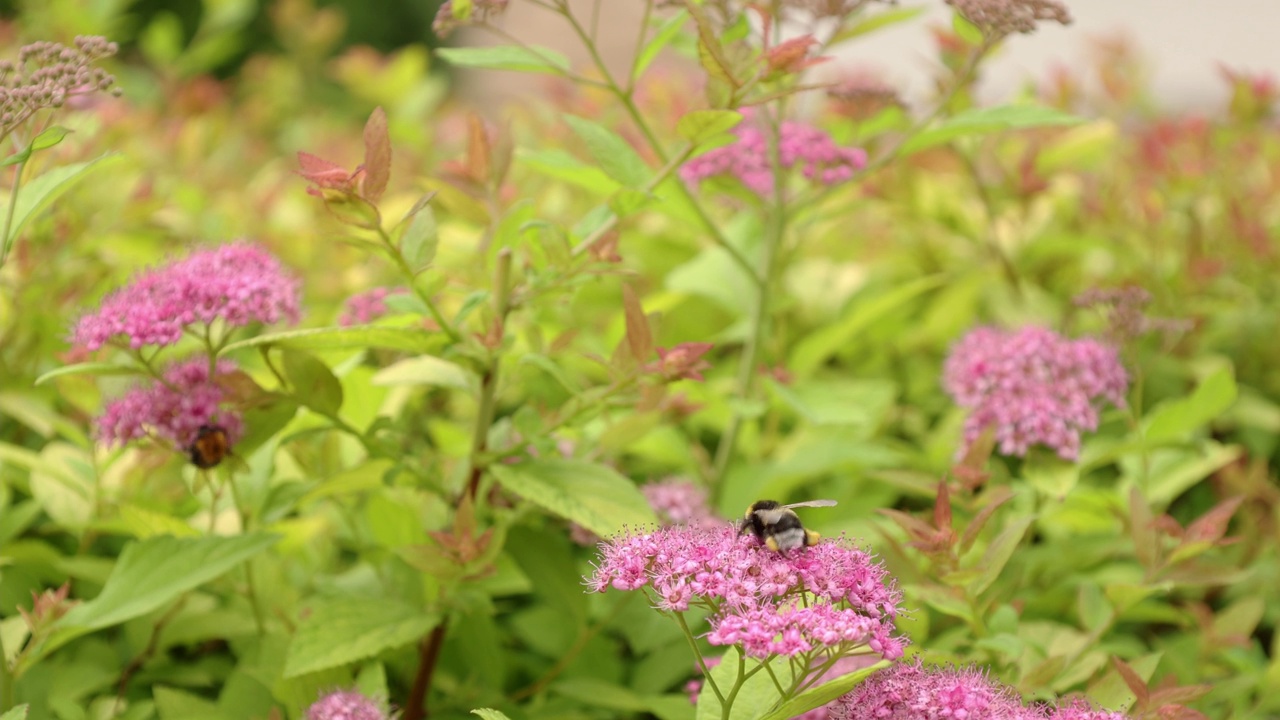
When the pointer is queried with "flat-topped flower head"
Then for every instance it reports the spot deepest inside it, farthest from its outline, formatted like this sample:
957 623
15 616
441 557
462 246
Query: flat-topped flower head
237 285
1033 386
757 596
799 145
174 410
346 705
914 692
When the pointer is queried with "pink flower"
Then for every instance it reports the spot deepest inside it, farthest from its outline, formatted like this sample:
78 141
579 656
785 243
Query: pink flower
913 692
1033 387
346 705
1082 710
680 502
756 594
174 410
366 307
236 284
817 155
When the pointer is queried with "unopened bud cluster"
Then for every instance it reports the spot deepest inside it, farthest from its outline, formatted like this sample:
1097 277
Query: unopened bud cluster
481 10
48 73
998 18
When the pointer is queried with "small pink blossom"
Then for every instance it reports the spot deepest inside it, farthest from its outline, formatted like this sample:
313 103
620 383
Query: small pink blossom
802 145
173 410
1082 710
366 307
680 502
1033 387
237 284
914 692
346 705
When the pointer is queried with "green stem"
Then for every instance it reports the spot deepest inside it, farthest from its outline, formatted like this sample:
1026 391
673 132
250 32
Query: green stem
489 378
7 682
773 239
9 212
407 272
245 520
702 664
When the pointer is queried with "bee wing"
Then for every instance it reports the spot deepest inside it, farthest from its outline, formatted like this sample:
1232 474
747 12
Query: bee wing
811 503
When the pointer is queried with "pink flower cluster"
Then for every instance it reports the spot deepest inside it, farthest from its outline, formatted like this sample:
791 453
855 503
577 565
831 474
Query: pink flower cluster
755 594
172 410
910 691
366 307
237 284
818 156
1033 387
346 705
680 502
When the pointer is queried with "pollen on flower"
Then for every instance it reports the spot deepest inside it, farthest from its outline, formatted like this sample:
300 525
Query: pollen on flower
236 284
1033 386
799 145
346 705
173 410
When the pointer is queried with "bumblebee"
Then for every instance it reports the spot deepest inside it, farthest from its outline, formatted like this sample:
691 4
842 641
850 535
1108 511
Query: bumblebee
778 527
210 447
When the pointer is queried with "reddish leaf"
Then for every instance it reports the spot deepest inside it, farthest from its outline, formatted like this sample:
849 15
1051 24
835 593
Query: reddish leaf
1211 526
942 508
995 499
1142 529
479 161
1131 678
322 172
639 336
377 155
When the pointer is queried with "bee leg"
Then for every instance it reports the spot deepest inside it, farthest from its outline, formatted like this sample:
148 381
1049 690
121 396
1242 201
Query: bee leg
811 537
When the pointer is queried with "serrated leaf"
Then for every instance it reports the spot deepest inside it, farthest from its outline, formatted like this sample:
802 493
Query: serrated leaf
998 554
612 154
982 121
153 572
424 370
591 495
816 697
699 126
97 369
377 155
508 57
342 631
314 384
490 714
341 338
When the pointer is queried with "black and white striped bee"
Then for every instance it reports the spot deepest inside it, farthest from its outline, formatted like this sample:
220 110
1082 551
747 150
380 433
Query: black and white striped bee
778 527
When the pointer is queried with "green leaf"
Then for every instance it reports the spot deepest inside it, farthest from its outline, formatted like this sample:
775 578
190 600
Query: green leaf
50 137
560 165
97 369
1177 419
613 154
39 193
508 57
421 237
755 697
967 31
998 554
814 350
153 572
668 30
424 370
313 382
341 338
343 630
700 126
816 697
982 121
591 495
17 713
878 21
490 714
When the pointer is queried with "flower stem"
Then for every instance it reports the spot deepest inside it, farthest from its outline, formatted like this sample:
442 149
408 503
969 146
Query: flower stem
702 664
489 378
416 709
409 278
6 242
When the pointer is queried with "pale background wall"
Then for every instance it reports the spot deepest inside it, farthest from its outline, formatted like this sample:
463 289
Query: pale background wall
1182 41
